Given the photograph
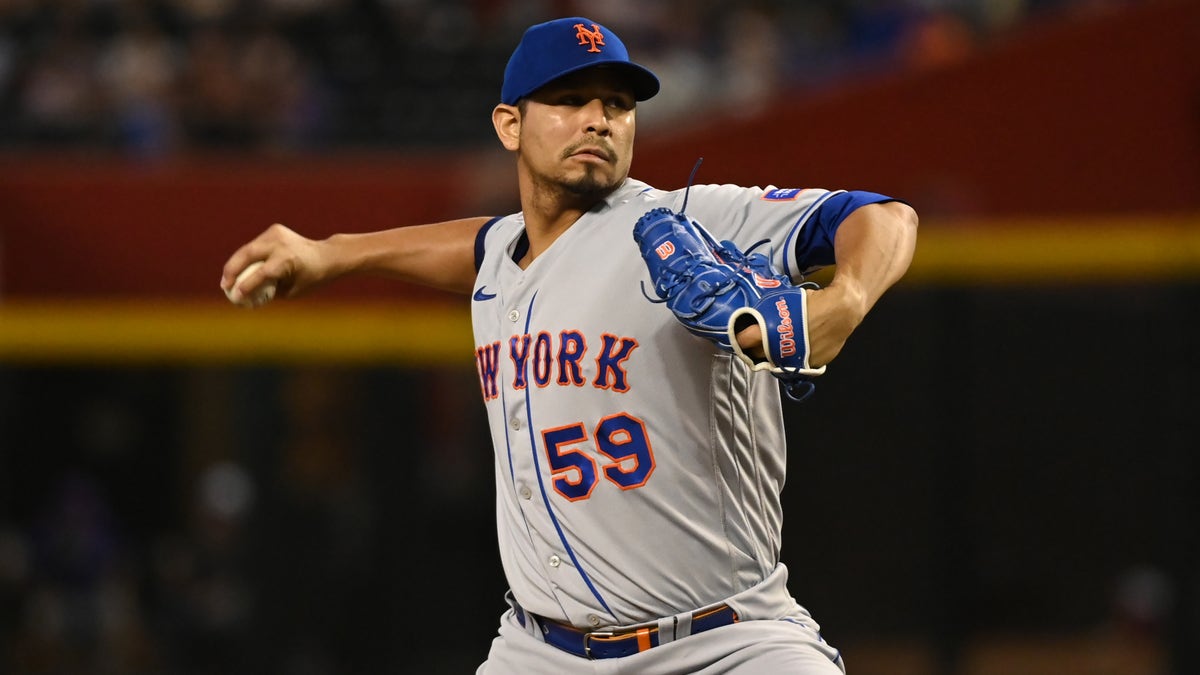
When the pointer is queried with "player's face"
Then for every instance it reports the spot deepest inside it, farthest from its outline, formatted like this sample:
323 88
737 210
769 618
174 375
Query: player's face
577 132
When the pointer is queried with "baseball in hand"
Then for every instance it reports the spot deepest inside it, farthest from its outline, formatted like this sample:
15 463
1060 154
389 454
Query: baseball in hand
261 296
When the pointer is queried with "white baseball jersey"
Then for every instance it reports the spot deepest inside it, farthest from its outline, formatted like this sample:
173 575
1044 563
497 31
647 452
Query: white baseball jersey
638 468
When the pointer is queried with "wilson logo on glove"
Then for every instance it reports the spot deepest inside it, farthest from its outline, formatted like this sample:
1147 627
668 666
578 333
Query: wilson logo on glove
787 341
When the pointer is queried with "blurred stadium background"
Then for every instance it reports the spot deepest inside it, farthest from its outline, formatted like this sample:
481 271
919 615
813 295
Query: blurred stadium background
998 476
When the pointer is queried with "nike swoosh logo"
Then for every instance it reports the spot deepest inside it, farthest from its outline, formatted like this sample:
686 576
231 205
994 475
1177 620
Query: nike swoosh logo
480 295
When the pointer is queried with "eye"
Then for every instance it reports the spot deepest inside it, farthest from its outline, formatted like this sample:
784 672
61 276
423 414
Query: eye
620 102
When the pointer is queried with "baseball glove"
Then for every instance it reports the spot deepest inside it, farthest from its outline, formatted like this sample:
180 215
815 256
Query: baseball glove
715 289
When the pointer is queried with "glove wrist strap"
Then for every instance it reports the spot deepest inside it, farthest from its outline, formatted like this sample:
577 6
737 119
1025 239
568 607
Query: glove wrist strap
782 318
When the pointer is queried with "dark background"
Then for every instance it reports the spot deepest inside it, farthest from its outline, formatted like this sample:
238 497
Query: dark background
997 475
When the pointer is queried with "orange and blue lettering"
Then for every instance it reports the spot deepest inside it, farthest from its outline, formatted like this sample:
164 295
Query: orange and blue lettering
573 470
518 351
571 349
542 359
610 373
487 358
623 439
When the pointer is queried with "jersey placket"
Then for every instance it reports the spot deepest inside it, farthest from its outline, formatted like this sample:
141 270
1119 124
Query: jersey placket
558 563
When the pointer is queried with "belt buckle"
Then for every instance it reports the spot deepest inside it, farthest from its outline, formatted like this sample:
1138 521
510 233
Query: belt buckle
587 641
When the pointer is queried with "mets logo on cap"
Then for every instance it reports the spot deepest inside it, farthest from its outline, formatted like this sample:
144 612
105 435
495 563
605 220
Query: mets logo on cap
591 37
560 47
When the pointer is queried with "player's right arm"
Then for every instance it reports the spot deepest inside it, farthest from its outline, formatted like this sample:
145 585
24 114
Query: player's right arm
440 255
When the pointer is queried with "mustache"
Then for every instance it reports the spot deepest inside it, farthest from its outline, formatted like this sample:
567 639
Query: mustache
592 144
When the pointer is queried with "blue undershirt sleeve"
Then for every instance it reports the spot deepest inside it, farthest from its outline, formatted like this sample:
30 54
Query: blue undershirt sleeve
814 242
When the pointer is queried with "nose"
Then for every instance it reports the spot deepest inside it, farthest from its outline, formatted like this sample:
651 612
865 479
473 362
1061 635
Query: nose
595 115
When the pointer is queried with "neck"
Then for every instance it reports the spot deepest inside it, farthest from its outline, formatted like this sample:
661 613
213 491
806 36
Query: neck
550 210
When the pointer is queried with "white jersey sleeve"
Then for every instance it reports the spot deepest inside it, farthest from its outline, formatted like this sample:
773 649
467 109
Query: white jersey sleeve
749 215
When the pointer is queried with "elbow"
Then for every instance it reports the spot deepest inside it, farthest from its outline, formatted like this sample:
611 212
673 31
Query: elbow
907 221
897 215
913 219
907 217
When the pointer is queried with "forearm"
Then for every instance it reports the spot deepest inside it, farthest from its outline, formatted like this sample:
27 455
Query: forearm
441 255
873 247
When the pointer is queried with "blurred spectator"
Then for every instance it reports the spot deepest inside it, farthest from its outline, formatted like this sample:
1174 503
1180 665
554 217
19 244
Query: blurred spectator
202 599
752 49
215 105
155 77
136 73
80 611
58 102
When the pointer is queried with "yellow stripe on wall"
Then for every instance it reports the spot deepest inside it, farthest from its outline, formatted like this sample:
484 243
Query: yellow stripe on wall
1116 250
1163 249
220 333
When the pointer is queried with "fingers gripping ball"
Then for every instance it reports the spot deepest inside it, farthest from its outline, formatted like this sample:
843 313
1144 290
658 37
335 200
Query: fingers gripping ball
710 285
259 296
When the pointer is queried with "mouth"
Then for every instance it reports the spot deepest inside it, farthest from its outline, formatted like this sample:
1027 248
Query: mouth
591 153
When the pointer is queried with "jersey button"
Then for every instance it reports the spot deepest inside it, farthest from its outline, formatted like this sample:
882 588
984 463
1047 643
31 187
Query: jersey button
554 561
514 315
593 620
515 423
525 492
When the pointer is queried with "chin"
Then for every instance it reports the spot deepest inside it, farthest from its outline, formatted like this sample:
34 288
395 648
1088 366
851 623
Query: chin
592 183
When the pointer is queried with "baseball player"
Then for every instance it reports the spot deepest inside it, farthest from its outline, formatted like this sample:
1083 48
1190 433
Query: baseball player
631 344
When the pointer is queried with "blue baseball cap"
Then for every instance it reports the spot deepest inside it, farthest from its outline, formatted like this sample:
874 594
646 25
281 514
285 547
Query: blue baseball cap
550 50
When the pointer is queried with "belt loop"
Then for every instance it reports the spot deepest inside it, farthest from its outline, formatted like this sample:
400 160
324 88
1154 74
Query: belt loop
528 624
666 629
683 626
526 620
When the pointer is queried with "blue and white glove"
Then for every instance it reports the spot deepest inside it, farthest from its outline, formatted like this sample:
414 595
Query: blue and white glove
715 289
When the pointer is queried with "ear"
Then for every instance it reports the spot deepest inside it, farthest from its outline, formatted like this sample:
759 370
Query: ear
507 120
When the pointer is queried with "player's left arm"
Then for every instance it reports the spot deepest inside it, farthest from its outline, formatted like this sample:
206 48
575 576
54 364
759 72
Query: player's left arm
873 247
